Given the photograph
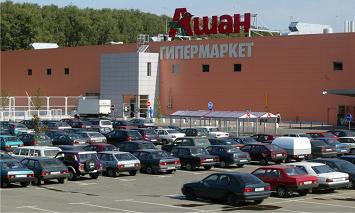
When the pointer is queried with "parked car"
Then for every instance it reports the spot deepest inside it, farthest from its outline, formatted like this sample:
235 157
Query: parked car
263 138
340 166
187 141
340 148
80 124
51 133
33 139
103 124
265 153
115 162
328 178
5 155
168 135
30 124
18 128
92 137
350 158
214 132
196 132
192 157
46 169
298 135
122 124
342 133
229 155
80 163
233 188
171 127
322 135
56 125
297 148
36 151
286 180
322 149
100 147
156 161
143 123
135 145
225 141
68 139
9 143
12 171
243 140
123 135
148 134
349 141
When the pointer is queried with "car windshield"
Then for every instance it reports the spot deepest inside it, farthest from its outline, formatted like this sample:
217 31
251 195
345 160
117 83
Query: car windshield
105 122
198 151
319 143
214 129
95 134
322 169
203 130
51 163
94 122
248 179
147 146
347 166
172 131
332 142
202 142
75 136
11 165
232 149
134 134
295 171
11 139
123 123
149 131
272 147
125 156
85 157
160 154
50 153
229 141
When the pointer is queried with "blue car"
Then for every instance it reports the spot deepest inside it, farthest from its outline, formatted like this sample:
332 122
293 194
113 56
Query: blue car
9 143
229 155
12 171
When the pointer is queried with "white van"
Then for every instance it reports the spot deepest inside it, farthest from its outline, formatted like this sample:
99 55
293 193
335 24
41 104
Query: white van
298 148
36 151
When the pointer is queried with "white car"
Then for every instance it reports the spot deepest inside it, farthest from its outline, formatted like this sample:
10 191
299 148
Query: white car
169 135
214 132
349 141
36 151
327 177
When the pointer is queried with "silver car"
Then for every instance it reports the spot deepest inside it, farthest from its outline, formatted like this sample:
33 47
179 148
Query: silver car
93 137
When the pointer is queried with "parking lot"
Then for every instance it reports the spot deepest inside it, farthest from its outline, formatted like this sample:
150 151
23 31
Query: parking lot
154 193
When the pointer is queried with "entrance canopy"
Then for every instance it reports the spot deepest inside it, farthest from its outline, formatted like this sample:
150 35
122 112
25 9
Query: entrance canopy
225 115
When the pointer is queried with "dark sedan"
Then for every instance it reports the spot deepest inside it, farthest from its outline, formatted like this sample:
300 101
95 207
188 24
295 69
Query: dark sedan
322 149
229 155
225 141
233 188
32 139
148 134
12 171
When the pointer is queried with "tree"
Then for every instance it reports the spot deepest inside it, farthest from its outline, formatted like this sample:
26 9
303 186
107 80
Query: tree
5 100
157 108
37 100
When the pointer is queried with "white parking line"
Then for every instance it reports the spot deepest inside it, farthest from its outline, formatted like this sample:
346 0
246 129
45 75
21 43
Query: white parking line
103 207
191 172
158 204
163 176
224 170
126 180
86 184
352 207
35 208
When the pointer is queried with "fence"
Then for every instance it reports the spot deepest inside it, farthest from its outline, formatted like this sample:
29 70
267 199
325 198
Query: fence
53 114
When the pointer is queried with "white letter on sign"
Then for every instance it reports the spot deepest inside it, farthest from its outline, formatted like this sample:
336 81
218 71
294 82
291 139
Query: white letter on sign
223 48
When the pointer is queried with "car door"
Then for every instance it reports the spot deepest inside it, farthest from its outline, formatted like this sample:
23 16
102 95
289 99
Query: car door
104 158
273 177
207 187
255 152
184 156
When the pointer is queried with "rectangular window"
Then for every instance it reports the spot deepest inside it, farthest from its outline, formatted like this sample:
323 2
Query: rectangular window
49 71
205 67
176 68
29 72
66 71
149 69
337 65
237 67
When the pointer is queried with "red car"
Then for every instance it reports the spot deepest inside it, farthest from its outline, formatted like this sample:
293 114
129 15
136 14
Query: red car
100 147
287 179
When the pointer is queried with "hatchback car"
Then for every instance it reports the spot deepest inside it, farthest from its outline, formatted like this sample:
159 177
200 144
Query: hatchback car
56 125
243 140
33 139
92 137
322 149
229 155
148 134
80 163
193 157
18 128
79 124
155 161
9 143
328 178
196 132
68 139
233 188
322 135
343 133
122 135
143 123
135 145
46 169
100 147
115 162
122 124
287 179
340 148
265 153
12 171
168 135
263 138
349 141
103 124
350 158
225 141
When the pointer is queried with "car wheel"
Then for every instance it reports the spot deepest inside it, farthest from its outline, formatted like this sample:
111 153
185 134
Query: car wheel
189 194
149 170
170 171
111 172
240 165
72 175
232 200
303 192
24 184
352 151
189 166
207 167
223 164
264 162
133 173
283 192
4 184
94 175
61 180
257 202
37 181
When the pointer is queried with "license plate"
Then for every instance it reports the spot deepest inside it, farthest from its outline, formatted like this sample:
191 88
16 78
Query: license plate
171 167
339 179
307 182
278 155
301 156
55 173
259 189
343 150
130 165
19 176
153 140
243 160
328 150
209 160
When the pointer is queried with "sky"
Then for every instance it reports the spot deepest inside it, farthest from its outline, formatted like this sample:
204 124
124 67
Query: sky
273 14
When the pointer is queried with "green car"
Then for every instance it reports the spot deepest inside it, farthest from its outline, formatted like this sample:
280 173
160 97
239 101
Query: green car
9 143
12 171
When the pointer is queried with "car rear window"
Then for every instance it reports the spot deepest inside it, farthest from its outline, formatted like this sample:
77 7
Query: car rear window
273 148
199 151
11 139
11 165
332 142
248 179
125 156
347 166
172 131
95 134
202 142
233 149
322 169
147 146
214 129
295 171
85 157
229 141
75 136
106 123
51 163
160 154
149 131
319 143
134 134
50 153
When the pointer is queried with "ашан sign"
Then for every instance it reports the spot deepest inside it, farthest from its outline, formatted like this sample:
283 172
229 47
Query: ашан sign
224 24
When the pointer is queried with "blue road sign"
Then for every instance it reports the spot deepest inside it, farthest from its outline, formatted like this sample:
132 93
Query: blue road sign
349 117
210 105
